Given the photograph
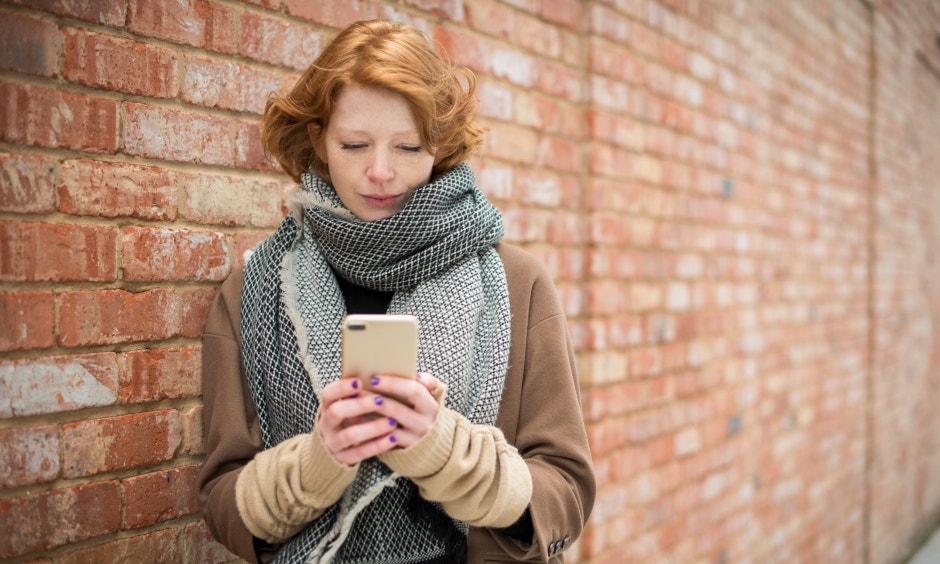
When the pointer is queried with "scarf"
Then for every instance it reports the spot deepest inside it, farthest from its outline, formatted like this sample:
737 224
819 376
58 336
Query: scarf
437 256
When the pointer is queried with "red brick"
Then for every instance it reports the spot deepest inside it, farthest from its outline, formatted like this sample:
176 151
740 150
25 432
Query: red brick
196 304
104 317
159 496
279 42
513 65
194 438
565 12
537 36
560 154
107 12
159 547
198 23
226 200
201 548
28 45
28 456
157 374
447 9
42 251
245 243
56 384
28 320
50 519
227 85
490 17
248 150
463 48
33 115
115 63
333 14
27 183
178 135
104 189
115 443
150 254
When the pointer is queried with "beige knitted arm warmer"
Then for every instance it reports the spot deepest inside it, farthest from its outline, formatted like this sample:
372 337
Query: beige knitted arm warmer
469 469
285 487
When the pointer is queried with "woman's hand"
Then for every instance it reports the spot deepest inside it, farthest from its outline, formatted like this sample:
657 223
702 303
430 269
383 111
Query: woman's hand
348 423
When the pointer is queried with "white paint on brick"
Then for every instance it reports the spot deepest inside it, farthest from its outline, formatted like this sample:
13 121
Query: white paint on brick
514 66
51 385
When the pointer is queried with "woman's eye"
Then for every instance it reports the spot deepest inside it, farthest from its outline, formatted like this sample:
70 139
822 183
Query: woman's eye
411 148
352 146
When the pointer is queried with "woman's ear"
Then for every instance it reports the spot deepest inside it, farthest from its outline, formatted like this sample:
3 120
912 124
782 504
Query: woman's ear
314 131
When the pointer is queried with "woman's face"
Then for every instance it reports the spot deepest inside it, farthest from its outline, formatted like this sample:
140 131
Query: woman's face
373 150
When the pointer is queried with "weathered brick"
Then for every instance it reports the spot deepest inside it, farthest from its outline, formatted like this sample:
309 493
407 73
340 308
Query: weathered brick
159 547
198 543
178 135
156 374
151 254
115 443
227 85
99 317
27 183
279 42
59 517
28 320
537 36
196 304
227 200
29 45
28 456
199 23
194 438
248 150
42 251
104 189
105 12
159 496
491 17
333 14
115 63
34 115
464 48
565 12
245 244
59 383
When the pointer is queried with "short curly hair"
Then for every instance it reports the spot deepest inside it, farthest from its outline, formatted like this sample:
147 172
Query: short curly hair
385 55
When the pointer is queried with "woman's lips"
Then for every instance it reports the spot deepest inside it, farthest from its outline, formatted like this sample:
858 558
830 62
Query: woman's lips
381 201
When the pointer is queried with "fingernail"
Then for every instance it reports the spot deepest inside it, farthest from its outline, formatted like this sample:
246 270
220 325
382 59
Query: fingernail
374 380
392 439
392 422
355 384
420 376
379 400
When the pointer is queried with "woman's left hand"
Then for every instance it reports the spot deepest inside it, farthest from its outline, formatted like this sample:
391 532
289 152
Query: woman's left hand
413 418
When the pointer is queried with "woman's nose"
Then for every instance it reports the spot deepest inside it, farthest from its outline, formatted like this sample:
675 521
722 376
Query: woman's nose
380 170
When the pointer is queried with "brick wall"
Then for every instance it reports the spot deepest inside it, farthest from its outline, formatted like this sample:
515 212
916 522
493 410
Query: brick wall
738 200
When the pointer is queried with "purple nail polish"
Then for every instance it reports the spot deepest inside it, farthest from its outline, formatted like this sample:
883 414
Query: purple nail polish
392 438
379 400
374 380
355 384
392 422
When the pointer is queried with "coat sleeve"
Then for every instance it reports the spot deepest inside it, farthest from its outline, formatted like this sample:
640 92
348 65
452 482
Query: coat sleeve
230 420
541 416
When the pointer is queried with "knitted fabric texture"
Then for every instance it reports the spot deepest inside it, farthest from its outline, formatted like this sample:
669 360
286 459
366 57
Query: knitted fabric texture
437 256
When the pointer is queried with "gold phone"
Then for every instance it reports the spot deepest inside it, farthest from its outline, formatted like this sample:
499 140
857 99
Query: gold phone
379 344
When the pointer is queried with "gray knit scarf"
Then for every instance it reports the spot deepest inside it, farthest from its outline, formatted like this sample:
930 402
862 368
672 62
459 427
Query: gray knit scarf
437 256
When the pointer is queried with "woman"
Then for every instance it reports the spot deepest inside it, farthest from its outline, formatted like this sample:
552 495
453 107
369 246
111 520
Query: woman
486 459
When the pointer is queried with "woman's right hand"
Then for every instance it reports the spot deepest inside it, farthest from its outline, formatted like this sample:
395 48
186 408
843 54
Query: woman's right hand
345 425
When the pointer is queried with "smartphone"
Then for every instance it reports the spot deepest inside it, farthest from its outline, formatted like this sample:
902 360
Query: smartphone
379 344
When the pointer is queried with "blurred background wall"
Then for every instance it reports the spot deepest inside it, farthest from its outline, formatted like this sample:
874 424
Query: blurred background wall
739 201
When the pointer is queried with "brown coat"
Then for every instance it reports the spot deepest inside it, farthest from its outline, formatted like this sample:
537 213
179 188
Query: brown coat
540 414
